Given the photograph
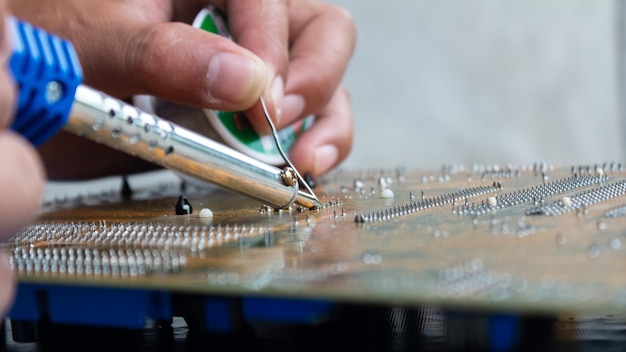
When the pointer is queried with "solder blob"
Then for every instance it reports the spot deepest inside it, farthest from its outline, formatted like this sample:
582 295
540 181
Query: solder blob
387 193
206 213
567 201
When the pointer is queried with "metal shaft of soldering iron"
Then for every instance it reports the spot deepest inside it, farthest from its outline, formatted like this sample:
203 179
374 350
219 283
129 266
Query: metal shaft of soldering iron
122 126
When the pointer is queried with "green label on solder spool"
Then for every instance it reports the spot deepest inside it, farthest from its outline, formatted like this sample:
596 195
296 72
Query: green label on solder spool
238 124
208 25
240 128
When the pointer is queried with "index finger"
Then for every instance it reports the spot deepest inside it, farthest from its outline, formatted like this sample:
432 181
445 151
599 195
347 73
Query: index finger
261 26
323 38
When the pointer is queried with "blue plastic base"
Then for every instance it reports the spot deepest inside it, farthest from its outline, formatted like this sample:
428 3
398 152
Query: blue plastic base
127 308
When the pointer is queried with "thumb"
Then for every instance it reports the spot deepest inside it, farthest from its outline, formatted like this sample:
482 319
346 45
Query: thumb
180 63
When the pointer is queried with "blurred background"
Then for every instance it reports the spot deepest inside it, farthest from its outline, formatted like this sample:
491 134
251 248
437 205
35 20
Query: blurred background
460 82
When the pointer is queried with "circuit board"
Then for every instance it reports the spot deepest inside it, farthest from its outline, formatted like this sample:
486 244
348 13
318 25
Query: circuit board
531 238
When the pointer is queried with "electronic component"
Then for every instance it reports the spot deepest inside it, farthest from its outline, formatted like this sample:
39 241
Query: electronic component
182 206
418 247
454 238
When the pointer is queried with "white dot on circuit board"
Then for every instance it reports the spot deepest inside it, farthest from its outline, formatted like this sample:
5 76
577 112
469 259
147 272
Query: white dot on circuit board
387 193
205 213
567 201
492 201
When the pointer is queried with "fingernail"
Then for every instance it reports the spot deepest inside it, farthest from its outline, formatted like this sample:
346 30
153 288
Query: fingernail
233 78
293 106
278 87
325 157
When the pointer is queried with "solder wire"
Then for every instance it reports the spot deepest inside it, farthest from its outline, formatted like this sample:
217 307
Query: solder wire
282 153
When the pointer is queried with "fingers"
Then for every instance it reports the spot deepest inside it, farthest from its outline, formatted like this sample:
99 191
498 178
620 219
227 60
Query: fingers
329 140
187 65
23 176
322 42
262 27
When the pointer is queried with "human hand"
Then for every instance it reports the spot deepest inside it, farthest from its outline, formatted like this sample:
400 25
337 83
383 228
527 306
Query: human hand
293 54
21 174
309 48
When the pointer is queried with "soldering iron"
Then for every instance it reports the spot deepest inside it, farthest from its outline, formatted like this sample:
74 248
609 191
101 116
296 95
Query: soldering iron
51 97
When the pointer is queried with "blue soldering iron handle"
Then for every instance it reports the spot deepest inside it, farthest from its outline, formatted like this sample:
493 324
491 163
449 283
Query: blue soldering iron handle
47 72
